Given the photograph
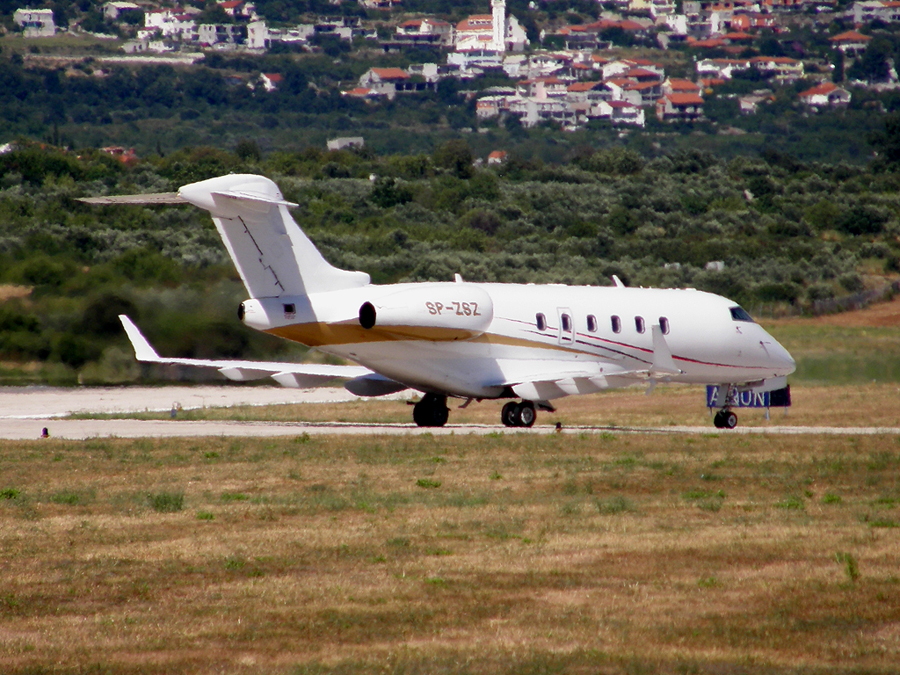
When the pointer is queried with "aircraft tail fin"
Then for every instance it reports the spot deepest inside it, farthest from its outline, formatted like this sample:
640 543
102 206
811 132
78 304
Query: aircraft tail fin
271 253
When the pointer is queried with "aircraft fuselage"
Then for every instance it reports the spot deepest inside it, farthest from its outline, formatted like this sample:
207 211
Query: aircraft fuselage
471 340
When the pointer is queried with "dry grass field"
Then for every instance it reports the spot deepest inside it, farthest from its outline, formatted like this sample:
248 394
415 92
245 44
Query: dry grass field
608 553
601 553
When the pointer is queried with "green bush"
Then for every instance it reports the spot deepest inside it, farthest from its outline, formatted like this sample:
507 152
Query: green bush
166 502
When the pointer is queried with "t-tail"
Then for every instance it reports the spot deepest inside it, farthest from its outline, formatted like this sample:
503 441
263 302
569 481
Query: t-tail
272 254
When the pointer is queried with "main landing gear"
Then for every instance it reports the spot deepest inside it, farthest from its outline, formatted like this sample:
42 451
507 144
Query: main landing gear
518 414
431 411
725 419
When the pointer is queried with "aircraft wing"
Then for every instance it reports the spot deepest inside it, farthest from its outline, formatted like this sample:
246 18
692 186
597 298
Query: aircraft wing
295 375
545 380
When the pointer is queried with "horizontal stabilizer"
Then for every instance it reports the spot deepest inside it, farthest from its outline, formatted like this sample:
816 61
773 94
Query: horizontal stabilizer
151 199
253 197
286 374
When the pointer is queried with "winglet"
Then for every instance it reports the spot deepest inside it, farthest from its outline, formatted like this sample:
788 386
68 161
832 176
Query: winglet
142 349
617 281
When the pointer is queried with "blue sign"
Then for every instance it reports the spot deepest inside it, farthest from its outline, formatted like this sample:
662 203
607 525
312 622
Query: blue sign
780 398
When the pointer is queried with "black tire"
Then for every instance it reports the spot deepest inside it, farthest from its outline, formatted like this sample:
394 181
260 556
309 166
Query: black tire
729 420
718 420
421 413
439 414
431 411
525 414
508 414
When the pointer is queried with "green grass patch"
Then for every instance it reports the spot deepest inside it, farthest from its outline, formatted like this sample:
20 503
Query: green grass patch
166 502
73 497
614 505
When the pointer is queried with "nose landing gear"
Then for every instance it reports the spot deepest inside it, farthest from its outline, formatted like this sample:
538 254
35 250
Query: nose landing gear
518 414
725 419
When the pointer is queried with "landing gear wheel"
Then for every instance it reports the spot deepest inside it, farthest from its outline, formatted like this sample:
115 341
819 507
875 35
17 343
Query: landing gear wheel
508 414
431 411
525 414
729 420
725 419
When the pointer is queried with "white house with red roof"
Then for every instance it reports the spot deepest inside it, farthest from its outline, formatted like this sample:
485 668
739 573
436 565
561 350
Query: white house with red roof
685 107
619 112
391 81
850 42
825 95
678 86
785 68
432 29
174 23
751 20
384 81
581 96
542 87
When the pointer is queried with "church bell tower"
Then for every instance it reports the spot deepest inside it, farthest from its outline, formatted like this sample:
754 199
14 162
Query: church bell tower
498 39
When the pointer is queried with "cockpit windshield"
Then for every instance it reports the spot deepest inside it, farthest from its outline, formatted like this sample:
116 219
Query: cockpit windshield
740 314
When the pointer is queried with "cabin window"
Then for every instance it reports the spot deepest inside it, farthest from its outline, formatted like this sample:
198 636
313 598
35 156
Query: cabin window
639 324
541 321
592 323
566 322
740 314
664 325
290 310
616 324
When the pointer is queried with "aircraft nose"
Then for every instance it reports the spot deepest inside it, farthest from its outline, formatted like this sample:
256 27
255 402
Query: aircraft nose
780 358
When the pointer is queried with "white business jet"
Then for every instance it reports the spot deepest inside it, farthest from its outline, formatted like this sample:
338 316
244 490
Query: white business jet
528 343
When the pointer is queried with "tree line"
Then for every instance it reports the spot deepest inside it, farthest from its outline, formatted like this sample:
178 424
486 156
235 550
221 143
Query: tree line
785 233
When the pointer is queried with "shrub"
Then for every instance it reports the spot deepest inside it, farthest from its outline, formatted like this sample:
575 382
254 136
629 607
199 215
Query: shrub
388 192
166 502
862 220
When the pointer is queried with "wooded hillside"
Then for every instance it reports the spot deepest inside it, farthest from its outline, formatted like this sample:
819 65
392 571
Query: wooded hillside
786 234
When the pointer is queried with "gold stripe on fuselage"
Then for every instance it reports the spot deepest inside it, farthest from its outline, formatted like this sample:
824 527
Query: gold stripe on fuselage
328 334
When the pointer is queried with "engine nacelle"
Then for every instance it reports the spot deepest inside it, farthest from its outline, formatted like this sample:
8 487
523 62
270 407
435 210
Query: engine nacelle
430 312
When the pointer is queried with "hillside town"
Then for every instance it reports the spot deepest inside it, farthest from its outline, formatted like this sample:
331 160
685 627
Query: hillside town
569 73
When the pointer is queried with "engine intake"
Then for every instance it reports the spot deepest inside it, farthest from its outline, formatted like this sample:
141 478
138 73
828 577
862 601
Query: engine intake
367 315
